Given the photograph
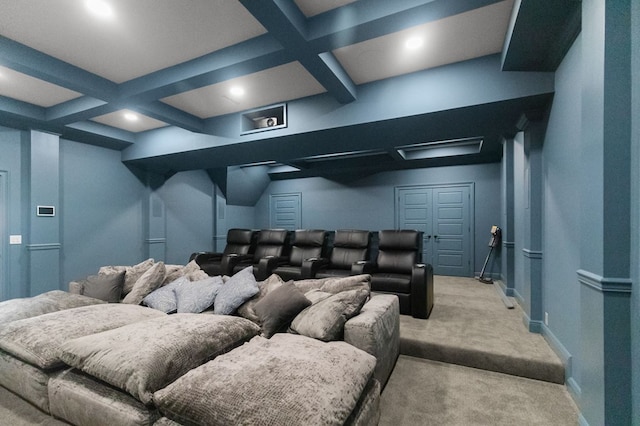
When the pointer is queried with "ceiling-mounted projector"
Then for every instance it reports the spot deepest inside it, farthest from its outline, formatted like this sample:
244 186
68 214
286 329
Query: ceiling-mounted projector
264 122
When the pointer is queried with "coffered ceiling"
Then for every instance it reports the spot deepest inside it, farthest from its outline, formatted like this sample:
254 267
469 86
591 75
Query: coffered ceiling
107 72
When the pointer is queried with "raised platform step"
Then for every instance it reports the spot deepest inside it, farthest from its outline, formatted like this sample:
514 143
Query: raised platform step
471 326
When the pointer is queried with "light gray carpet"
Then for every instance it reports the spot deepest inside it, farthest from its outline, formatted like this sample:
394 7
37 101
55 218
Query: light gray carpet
424 392
471 326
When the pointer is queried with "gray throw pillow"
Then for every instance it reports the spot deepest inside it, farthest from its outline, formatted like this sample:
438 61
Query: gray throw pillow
325 320
247 309
196 296
279 307
164 298
148 282
104 287
172 273
237 290
132 273
352 282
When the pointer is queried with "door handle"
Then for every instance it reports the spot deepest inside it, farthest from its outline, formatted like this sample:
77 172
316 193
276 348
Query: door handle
435 237
428 237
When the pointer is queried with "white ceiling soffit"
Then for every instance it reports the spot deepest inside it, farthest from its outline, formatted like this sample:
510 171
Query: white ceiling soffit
22 87
278 84
461 37
314 7
139 37
129 120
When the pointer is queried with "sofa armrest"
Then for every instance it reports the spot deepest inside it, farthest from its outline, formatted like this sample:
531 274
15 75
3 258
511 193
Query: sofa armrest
376 330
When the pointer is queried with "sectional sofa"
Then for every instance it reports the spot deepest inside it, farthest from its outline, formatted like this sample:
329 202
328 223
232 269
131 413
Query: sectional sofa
176 346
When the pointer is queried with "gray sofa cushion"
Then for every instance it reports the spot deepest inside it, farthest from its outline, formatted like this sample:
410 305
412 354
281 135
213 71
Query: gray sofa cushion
45 303
81 400
144 357
25 380
367 411
285 380
37 340
325 319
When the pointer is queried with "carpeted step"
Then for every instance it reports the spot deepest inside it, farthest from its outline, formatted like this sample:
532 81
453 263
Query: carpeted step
471 326
516 366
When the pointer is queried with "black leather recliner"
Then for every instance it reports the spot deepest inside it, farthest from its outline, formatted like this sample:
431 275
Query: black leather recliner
397 270
308 246
272 248
239 242
349 247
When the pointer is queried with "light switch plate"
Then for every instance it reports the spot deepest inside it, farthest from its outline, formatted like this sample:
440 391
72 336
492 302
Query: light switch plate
15 239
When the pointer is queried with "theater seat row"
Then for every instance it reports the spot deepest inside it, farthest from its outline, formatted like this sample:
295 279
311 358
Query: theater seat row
304 253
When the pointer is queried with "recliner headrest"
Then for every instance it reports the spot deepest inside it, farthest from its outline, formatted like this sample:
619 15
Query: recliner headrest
309 237
352 238
273 236
404 239
239 236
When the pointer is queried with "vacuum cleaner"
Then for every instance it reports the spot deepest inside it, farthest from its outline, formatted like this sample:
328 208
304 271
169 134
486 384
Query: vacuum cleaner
496 234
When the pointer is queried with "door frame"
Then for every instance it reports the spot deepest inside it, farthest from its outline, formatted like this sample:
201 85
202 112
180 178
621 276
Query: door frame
472 212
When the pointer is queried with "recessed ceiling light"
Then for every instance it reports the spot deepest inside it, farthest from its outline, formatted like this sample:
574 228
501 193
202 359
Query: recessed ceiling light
131 116
413 43
99 8
236 91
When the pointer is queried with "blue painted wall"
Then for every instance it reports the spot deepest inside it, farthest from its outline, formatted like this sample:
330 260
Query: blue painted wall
101 211
635 208
189 202
561 211
519 220
11 162
368 203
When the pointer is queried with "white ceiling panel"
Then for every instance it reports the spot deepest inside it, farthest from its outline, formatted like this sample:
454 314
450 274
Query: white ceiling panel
22 87
457 38
139 37
129 120
278 84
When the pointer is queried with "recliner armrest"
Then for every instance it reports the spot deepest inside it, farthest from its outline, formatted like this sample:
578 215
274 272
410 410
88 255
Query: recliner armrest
267 264
421 290
363 267
205 257
231 260
311 266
